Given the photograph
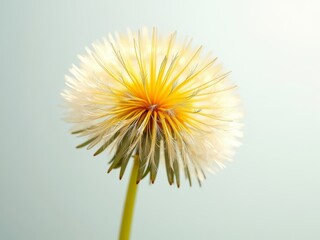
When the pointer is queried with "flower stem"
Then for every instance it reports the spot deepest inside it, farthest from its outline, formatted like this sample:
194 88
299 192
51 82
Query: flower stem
129 203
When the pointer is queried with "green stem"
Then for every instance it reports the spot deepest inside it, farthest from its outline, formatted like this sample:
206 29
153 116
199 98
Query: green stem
129 204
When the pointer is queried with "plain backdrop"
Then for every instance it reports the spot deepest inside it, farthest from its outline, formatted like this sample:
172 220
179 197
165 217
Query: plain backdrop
50 190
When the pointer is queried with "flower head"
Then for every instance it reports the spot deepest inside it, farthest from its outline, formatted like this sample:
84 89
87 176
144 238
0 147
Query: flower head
157 98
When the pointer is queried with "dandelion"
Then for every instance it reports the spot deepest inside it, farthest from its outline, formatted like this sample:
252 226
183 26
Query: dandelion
152 97
157 99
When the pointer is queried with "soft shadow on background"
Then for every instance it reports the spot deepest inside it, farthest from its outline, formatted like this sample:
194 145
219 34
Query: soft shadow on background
50 190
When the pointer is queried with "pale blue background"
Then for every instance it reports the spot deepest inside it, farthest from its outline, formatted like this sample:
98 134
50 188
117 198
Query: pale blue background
49 190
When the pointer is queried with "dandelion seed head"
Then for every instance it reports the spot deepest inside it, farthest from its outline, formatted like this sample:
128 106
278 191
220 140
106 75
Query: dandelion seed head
157 97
